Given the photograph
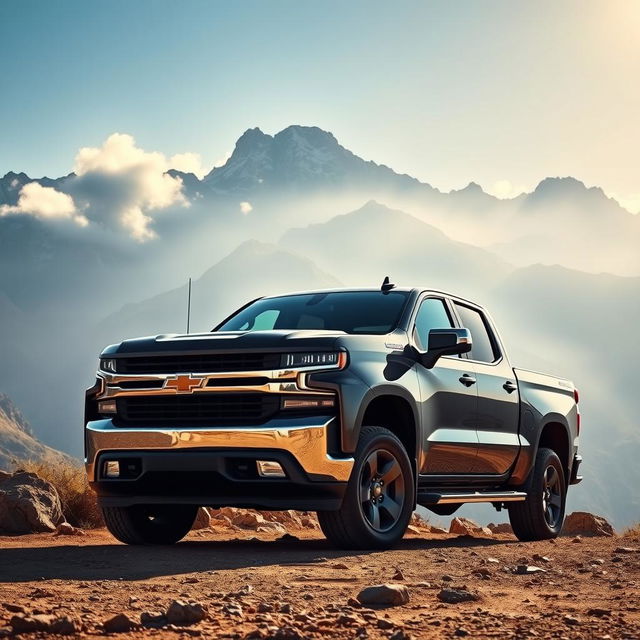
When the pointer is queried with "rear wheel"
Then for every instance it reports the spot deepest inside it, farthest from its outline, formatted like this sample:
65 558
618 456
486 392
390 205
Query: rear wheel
541 515
380 495
149 524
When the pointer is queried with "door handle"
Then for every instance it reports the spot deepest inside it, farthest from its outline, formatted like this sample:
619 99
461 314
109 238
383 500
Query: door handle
467 380
509 386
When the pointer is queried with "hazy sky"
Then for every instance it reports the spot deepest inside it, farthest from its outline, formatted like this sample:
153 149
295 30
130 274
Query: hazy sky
500 92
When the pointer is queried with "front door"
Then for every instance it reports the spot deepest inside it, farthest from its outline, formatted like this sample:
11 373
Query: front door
448 401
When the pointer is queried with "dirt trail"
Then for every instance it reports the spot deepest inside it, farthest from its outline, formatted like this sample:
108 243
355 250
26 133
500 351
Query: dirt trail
255 586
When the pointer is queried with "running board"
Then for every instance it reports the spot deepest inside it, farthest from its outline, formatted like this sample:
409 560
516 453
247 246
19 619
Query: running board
471 496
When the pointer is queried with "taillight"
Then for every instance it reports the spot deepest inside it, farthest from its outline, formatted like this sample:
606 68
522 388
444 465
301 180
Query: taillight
576 396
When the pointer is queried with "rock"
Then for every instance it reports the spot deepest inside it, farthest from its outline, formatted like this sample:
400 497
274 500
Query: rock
14 608
466 527
502 528
398 575
383 623
626 550
527 569
571 620
63 625
120 623
452 595
577 539
463 526
586 524
439 530
29 624
248 520
400 634
287 537
152 619
185 613
538 558
384 595
276 527
203 519
65 529
28 504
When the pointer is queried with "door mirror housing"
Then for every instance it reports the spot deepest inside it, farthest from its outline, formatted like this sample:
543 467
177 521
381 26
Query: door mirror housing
445 342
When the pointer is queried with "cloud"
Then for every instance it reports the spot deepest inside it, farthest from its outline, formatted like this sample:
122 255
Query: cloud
504 189
188 163
46 203
630 202
246 207
120 185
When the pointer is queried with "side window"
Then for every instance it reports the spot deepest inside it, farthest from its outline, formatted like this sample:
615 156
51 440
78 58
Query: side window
432 315
483 349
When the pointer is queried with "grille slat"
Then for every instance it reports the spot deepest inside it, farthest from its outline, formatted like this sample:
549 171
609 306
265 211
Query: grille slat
210 409
198 363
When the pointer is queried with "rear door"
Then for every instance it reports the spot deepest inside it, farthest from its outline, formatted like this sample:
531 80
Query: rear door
448 399
498 400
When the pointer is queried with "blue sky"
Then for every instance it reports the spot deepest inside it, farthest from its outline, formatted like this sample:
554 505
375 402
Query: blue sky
500 92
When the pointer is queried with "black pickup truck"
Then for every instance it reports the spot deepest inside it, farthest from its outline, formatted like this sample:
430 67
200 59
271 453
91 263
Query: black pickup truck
357 404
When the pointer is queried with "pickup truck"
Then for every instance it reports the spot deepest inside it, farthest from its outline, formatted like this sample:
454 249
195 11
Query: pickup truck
357 404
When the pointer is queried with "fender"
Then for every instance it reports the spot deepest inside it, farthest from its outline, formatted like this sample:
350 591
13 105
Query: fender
529 450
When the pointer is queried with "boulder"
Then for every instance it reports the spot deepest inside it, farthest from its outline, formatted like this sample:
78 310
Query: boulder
389 595
586 524
62 626
248 520
28 504
120 623
457 594
203 519
466 527
185 613
503 527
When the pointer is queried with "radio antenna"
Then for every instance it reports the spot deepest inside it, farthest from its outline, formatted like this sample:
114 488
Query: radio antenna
189 306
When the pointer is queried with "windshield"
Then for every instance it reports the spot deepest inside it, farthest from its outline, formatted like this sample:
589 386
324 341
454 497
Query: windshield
371 312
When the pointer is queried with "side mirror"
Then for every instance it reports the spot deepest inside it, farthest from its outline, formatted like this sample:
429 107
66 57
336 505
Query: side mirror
445 342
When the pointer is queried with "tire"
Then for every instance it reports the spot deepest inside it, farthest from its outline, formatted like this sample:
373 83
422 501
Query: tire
541 515
149 524
380 495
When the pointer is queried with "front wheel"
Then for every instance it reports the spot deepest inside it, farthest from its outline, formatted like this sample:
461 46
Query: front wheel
541 515
149 524
380 496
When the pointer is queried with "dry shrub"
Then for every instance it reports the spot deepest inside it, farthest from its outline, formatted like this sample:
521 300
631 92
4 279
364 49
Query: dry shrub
79 504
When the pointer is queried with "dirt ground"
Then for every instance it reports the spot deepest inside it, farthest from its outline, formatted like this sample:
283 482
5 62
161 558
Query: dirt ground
257 586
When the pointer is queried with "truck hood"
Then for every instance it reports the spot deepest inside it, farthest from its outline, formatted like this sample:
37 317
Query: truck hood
227 341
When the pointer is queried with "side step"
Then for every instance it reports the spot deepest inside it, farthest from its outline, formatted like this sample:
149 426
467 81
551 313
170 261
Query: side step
470 496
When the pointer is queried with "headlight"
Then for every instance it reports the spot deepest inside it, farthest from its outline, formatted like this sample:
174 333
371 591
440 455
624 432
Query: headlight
318 359
108 364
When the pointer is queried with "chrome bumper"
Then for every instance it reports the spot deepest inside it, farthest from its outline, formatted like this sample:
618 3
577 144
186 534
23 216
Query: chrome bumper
304 438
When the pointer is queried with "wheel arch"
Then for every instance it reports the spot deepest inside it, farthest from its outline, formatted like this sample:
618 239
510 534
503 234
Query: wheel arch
393 408
554 434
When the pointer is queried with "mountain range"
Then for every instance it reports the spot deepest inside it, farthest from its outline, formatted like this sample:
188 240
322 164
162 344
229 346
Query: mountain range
559 269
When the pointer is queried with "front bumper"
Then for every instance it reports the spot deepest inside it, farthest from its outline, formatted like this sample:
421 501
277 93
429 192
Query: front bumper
192 464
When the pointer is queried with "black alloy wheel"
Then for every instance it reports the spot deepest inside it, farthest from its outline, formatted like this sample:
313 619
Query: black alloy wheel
382 490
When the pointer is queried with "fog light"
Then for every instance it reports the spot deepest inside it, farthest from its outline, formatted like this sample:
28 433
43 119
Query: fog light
107 406
112 469
270 469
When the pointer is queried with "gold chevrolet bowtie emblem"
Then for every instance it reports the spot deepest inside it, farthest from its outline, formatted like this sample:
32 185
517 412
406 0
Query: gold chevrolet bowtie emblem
183 383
